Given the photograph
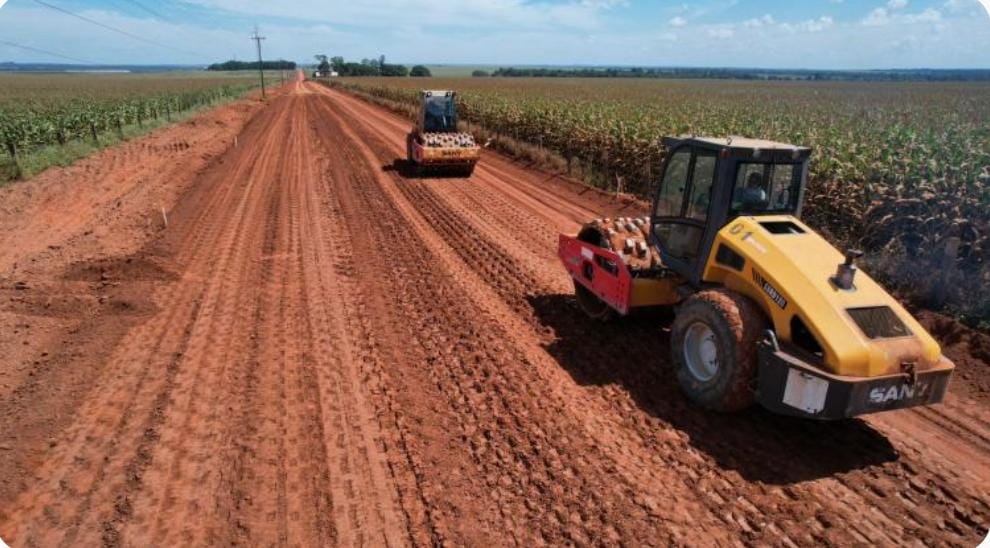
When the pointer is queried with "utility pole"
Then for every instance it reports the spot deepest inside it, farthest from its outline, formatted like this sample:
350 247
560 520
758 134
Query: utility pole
261 68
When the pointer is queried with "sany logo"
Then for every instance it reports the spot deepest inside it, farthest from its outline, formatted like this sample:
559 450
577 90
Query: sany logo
898 393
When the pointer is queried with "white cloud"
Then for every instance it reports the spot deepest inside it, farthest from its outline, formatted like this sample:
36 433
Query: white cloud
877 18
759 21
882 17
604 4
678 21
967 7
474 14
930 15
896 4
723 31
817 25
811 25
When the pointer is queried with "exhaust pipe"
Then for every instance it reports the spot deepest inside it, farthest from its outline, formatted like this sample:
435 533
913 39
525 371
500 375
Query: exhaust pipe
845 275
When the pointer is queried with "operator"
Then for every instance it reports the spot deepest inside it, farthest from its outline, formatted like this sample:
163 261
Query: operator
753 195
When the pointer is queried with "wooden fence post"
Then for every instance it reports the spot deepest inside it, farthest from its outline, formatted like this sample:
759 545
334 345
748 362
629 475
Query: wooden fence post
92 130
12 150
947 267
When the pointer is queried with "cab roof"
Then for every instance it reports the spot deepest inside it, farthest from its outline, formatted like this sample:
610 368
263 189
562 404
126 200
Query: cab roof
737 144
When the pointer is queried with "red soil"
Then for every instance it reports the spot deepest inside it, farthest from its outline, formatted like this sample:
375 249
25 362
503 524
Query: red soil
317 350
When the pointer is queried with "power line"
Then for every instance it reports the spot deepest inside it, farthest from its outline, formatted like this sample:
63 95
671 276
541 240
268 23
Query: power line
114 29
146 9
158 14
45 52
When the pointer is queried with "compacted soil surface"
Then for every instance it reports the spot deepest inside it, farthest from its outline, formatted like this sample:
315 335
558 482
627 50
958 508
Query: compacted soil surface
256 327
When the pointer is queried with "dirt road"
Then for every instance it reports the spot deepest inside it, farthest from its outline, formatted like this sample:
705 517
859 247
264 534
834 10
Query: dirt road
269 335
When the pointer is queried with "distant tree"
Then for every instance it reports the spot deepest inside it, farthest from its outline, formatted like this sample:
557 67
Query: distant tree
358 69
367 67
324 64
480 74
394 70
420 70
281 64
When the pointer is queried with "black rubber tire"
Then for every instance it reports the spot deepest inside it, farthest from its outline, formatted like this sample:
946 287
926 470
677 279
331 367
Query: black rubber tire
409 148
467 171
738 325
592 305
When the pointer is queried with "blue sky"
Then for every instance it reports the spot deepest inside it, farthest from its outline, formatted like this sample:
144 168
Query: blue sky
822 34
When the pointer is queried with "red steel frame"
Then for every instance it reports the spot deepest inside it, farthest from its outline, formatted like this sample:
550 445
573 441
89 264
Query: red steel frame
601 271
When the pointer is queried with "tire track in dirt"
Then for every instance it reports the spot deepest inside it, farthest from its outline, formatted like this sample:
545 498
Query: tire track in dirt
357 368
188 451
518 389
323 352
108 440
562 204
443 220
513 286
74 235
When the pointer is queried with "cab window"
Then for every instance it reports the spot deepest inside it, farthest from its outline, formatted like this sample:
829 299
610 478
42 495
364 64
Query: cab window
701 185
683 203
766 188
671 197
440 114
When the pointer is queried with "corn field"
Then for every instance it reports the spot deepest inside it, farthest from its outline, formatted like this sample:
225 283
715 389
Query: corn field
43 110
900 169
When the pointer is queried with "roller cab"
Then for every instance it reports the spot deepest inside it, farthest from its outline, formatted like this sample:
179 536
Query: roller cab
767 310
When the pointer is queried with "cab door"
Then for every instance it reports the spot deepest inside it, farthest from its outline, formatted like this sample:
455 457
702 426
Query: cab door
680 220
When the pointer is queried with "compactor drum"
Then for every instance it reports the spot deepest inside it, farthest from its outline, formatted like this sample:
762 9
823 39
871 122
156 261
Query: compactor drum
767 310
435 144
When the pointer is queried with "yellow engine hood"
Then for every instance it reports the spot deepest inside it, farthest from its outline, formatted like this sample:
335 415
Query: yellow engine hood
789 274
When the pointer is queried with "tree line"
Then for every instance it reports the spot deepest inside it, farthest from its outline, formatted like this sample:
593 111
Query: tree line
367 67
281 64
934 75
